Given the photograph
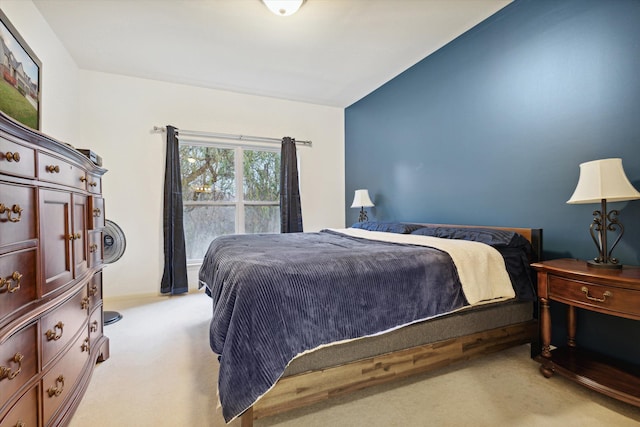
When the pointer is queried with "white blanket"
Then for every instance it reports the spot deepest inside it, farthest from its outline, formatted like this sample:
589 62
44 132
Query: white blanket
481 268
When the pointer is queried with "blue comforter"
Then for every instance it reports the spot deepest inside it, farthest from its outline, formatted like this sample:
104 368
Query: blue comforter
278 295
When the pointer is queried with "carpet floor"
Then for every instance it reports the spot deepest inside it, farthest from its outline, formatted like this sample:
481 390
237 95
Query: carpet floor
161 372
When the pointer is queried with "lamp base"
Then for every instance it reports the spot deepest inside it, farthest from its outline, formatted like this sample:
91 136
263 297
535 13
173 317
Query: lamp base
608 265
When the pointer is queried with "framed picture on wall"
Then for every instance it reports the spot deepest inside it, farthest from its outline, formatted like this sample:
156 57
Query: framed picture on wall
20 72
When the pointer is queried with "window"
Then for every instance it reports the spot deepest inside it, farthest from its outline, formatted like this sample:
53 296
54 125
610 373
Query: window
227 190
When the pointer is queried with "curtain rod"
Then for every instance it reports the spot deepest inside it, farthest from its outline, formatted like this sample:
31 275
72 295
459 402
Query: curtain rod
199 134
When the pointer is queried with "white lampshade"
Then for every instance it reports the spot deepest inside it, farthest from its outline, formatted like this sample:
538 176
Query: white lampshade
362 200
603 180
283 7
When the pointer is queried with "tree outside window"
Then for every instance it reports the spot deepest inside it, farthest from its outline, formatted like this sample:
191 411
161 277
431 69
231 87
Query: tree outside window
227 190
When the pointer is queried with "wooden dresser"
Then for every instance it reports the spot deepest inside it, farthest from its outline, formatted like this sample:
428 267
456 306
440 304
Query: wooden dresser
51 221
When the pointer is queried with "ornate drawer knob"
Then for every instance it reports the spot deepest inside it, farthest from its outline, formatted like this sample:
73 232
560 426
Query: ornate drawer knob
57 390
94 326
6 284
12 157
93 290
97 212
10 373
15 209
53 168
52 335
85 345
605 295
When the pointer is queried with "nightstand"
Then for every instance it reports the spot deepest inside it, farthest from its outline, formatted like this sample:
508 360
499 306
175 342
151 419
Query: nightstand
615 292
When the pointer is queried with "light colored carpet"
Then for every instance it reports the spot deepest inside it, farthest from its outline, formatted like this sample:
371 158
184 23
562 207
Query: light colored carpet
162 373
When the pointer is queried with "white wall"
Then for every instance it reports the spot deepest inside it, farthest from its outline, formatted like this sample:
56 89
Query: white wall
118 115
59 73
114 116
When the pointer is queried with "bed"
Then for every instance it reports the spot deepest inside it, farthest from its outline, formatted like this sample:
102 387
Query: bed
302 317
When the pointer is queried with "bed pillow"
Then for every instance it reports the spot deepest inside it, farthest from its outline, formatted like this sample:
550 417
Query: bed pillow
495 238
514 248
389 227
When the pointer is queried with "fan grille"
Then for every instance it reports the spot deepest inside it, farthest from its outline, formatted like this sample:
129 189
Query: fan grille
114 242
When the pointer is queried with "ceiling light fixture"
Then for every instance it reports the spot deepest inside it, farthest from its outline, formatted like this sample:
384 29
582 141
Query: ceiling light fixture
283 7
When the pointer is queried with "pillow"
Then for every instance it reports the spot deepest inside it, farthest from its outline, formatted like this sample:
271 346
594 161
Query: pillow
513 247
389 227
495 238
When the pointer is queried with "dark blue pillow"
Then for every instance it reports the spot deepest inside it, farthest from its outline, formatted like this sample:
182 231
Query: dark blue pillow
389 227
495 238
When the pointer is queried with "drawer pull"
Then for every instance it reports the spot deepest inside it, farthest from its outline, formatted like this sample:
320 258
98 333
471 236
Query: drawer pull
53 168
93 290
20 424
93 248
83 179
605 295
85 345
52 335
75 236
16 209
12 157
15 278
85 303
93 183
97 212
8 372
94 326
57 391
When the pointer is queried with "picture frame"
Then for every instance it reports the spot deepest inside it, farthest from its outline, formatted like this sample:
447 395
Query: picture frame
20 77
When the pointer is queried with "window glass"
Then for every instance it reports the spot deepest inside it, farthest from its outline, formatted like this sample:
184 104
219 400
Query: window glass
260 168
202 223
226 191
208 173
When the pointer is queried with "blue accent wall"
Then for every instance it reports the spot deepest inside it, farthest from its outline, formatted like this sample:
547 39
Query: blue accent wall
491 129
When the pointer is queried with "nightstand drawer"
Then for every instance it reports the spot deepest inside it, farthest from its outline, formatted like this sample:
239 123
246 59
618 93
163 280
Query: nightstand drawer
597 297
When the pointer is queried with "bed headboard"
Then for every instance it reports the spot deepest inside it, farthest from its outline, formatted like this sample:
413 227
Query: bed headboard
533 235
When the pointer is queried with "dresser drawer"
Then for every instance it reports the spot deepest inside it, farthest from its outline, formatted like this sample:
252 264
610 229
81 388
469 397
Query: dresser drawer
594 296
18 276
16 159
94 290
95 326
25 412
58 171
96 212
62 324
18 213
19 360
60 382
95 248
94 184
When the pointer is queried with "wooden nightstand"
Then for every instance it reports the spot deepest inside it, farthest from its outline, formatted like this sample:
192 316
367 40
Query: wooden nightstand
610 291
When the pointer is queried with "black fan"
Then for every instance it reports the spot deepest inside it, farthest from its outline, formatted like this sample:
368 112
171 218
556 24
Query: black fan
114 246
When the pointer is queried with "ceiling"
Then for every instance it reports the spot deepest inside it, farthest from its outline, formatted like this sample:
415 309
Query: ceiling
332 52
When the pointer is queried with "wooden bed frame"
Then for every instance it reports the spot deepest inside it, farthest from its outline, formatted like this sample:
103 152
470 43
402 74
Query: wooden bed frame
314 386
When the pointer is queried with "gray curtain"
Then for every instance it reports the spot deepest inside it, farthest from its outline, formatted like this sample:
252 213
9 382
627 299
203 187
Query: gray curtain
174 277
290 208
